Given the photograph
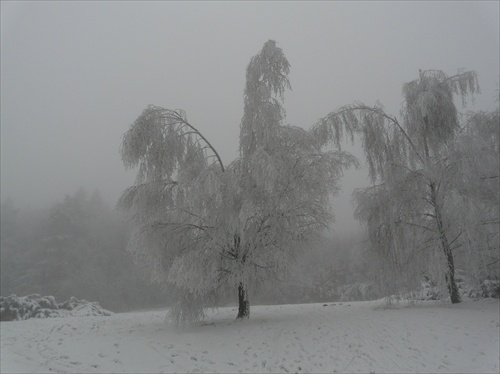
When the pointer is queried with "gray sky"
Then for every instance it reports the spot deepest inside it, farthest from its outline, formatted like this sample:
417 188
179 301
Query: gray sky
75 75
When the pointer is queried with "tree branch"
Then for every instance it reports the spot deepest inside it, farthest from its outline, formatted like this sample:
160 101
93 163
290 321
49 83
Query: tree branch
179 118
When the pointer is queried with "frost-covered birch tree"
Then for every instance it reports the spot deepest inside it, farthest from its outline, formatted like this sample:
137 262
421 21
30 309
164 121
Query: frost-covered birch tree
208 228
409 209
476 153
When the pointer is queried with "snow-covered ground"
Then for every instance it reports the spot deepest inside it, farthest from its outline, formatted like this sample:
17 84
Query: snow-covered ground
431 337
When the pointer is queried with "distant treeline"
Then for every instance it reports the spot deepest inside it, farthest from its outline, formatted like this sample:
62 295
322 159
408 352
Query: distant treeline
75 248
78 248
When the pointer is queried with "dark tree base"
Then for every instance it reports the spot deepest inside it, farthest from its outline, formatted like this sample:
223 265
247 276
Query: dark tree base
243 303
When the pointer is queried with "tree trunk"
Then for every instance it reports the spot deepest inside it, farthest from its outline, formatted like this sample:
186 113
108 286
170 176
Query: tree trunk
450 279
243 303
445 245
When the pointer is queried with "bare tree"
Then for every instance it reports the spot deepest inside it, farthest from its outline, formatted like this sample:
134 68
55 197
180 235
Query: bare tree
207 228
406 210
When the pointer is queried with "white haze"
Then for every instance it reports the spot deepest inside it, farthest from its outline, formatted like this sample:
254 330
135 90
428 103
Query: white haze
75 75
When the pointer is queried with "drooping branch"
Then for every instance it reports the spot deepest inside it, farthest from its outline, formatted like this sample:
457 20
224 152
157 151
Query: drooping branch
179 118
160 142
204 231
346 120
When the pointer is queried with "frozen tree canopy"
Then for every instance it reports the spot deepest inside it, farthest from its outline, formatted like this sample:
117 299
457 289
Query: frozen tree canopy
418 212
209 228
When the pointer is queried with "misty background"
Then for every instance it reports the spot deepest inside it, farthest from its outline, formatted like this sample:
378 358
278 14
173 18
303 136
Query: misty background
75 75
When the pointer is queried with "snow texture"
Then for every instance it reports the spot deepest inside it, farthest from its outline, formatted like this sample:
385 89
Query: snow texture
429 337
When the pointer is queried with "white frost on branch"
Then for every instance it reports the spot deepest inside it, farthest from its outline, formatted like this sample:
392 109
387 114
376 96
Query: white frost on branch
208 229
417 211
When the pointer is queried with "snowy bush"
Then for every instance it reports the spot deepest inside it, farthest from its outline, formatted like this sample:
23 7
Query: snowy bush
14 308
69 304
490 288
466 289
476 290
429 291
82 308
487 288
355 292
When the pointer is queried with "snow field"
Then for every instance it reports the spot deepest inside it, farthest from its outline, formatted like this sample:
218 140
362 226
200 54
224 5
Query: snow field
431 337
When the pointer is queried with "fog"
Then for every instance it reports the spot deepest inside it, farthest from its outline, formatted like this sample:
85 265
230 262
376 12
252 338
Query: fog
75 75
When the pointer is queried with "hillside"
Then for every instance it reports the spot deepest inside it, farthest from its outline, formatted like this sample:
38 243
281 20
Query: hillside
430 337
